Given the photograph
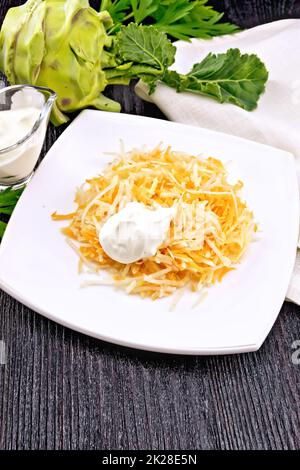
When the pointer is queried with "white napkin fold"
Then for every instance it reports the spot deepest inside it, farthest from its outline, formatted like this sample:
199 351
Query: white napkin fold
276 120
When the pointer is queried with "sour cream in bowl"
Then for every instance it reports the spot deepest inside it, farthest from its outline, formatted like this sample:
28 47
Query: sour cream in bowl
24 116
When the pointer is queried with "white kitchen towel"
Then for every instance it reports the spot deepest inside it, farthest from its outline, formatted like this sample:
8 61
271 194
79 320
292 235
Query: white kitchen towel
276 120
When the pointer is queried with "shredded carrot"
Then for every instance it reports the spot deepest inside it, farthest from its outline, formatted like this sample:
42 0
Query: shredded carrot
210 232
56 216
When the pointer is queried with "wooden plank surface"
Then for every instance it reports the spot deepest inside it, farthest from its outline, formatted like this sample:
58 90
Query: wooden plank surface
63 390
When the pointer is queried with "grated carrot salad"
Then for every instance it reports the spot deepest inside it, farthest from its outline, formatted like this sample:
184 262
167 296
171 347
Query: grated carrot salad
194 255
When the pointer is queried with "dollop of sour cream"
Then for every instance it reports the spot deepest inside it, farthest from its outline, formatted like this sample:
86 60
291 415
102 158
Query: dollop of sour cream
15 124
135 232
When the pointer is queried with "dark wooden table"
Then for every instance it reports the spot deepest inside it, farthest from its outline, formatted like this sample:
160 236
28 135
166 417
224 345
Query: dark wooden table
62 390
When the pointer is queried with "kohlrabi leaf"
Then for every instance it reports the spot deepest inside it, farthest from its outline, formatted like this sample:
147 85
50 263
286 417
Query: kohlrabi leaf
145 45
141 52
231 77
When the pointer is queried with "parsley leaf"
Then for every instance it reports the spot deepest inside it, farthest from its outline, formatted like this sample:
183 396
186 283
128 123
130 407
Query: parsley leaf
2 228
180 19
9 197
143 8
117 9
8 201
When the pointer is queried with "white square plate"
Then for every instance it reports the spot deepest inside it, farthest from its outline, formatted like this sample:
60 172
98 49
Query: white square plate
38 268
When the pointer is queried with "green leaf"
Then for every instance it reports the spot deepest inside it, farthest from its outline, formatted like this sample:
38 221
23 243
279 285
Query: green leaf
8 201
145 45
194 29
171 12
180 19
2 228
10 197
143 8
117 9
7 210
231 77
141 52
183 19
